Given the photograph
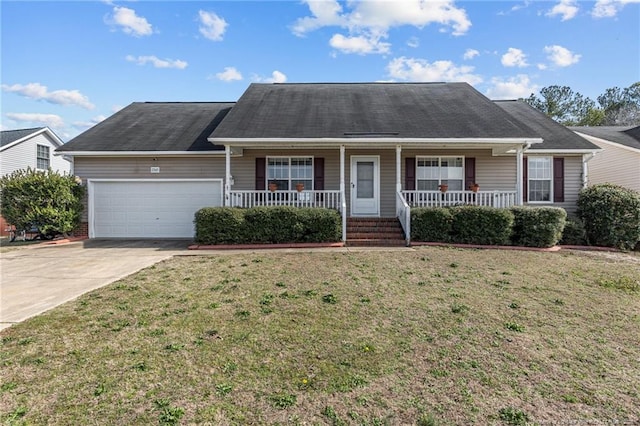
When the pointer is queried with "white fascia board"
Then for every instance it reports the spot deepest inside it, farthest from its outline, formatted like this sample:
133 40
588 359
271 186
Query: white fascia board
607 141
563 151
288 142
140 153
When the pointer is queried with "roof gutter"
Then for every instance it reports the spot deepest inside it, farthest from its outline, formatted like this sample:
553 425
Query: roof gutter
141 153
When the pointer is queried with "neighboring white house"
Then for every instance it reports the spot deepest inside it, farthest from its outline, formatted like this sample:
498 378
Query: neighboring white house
24 148
619 162
30 148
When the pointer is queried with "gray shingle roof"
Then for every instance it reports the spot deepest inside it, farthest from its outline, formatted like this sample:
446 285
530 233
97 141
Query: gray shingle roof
154 126
9 136
396 110
555 135
624 135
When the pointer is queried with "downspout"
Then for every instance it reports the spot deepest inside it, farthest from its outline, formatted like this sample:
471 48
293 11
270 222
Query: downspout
227 176
585 168
343 205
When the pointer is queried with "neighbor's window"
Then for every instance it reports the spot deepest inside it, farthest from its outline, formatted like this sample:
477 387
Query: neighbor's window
287 172
435 171
42 157
539 179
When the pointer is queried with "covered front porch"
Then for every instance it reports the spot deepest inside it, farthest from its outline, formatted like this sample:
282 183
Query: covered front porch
388 181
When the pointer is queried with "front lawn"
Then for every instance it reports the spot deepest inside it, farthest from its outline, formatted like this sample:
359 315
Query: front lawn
425 336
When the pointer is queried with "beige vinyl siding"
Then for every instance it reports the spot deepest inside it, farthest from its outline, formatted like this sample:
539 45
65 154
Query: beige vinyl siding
140 168
616 164
243 171
492 173
572 183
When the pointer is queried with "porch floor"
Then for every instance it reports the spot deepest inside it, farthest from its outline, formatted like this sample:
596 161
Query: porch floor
375 231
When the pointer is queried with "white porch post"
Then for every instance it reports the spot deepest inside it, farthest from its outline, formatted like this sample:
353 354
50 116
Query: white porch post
227 176
398 168
343 195
519 186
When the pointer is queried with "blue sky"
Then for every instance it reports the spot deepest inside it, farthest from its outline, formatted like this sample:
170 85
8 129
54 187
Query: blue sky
69 65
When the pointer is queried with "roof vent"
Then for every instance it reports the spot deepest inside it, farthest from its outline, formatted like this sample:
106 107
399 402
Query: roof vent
370 134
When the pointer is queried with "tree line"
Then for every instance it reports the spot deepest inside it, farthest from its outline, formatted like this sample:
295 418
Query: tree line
615 107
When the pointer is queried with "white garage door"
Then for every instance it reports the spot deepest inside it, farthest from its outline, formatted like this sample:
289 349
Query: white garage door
149 209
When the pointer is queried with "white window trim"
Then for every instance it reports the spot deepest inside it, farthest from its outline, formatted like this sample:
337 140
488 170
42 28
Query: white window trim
550 158
440 157
38 157
289 157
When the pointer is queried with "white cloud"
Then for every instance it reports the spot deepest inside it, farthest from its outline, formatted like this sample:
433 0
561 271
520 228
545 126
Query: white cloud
276 77
229 74
413 42
515 8
361 45
568 9
514 58
561 56
157 62
542 66
211 25
470 54
59 97
51 120
130 23
516 87
412 69
609 8
369 21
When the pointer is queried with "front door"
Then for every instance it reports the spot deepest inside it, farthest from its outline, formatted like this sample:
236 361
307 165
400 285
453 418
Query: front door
365 185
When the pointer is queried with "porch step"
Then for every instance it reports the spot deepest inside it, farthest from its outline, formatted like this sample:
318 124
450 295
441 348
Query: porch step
372 232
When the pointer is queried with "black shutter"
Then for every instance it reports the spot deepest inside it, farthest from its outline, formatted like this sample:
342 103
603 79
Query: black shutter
558 179
525 179
261 173
318 174
410 173
469 172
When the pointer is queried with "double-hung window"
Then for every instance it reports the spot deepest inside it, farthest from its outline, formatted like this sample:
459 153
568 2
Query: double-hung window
539 179
42 157
287 172
435 171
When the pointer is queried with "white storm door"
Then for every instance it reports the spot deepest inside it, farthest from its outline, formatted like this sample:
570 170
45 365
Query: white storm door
365 185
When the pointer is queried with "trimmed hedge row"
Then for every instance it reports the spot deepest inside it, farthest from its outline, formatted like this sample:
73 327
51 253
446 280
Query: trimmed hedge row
537 227
523 226
268 225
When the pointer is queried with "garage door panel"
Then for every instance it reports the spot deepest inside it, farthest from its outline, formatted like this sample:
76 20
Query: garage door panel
144 209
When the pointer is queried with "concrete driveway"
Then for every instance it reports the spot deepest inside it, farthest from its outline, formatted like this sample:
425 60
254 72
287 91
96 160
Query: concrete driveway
38 278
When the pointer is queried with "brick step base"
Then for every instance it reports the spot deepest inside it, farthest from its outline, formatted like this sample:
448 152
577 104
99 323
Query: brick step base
369 242
372 232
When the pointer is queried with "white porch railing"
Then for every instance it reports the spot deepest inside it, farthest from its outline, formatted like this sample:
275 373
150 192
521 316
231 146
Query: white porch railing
502 199
403 213
324 199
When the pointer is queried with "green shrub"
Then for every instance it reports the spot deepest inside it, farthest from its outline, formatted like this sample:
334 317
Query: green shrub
481 225
611 215
267 225
219 225
48 200
431 224
537 226
573 233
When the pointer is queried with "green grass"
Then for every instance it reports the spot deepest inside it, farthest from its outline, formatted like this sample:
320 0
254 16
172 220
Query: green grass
362 338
